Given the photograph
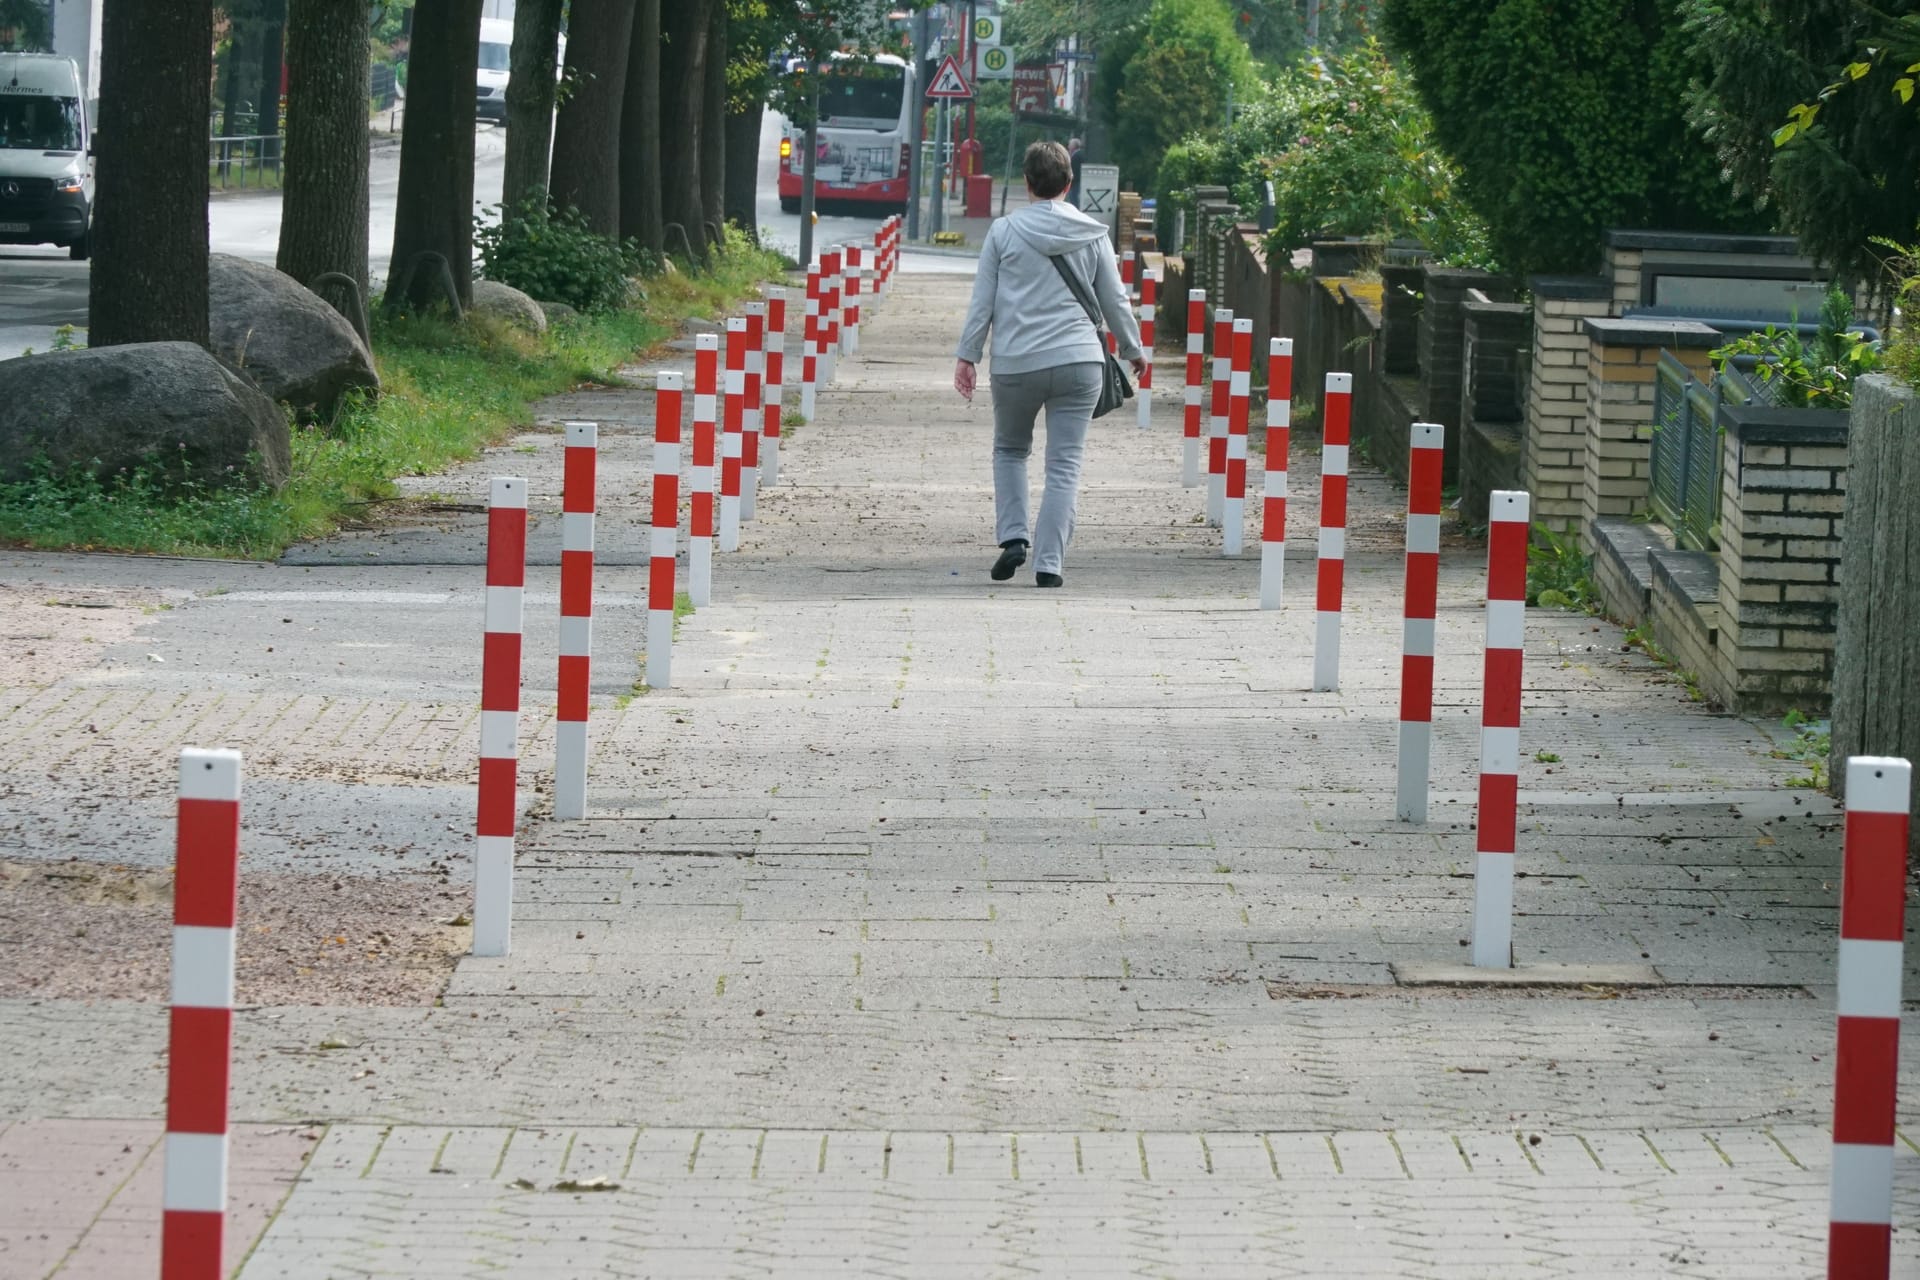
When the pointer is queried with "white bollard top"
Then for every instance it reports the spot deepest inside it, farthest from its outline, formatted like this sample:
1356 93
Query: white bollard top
582 435
1509 504
1280 346
1339 384
706 342
668 380
209 774
507 491
1878 784
1428 435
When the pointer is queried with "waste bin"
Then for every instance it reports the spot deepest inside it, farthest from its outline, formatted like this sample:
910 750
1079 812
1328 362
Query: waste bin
980 195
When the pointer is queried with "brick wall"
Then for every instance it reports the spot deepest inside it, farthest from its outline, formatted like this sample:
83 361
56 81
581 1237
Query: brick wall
1554 448
1443 332
1783 494
1400 301
1621 359
1491 402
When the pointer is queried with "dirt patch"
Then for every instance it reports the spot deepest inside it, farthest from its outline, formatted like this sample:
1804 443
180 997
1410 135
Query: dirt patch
48 632
85 930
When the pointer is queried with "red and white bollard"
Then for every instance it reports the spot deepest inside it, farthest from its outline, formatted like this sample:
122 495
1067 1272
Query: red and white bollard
810 345
1330 569
668 397
830 283
576 622
1422 603
1149 300
849 299
1126 275
1217 415
701 521
1233 528
1195 388
499 798
1873 923
733 409
753 409
1498 819
776 348
200 1023
1273 491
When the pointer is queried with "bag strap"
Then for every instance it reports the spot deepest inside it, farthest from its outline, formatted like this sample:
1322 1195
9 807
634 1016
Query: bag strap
1080 292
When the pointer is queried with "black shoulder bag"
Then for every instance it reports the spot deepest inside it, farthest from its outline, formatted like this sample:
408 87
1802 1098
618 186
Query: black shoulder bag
1115 390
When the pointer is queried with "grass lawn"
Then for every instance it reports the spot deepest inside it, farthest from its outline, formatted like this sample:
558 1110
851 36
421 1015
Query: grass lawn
449 390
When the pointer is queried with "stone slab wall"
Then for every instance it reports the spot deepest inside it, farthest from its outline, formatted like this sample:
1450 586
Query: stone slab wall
1876 667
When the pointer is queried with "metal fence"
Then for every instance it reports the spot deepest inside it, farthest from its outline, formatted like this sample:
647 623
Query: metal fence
251 160
1688 423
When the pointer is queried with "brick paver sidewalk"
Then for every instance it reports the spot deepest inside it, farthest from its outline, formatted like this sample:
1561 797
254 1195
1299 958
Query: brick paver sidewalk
939 927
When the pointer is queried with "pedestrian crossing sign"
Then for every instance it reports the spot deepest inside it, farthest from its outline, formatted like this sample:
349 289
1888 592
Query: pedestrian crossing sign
948 82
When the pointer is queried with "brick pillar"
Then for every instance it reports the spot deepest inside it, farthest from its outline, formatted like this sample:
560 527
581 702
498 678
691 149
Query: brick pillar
1553 452
1401 288
1497 335
1782 495
1621 356
1443 332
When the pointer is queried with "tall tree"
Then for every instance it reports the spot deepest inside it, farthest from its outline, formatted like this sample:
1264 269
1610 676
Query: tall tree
683 83
640 215
586 137
713 119
433 210
323 215
149 238
532 66
273 36
1804 109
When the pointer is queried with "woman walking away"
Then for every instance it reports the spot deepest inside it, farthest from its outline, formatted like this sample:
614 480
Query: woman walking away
1046 355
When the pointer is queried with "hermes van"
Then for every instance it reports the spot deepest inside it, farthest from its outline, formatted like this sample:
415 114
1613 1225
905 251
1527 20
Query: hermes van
496 56
46 176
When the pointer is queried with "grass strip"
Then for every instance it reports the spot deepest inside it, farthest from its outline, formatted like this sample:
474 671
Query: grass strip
448 391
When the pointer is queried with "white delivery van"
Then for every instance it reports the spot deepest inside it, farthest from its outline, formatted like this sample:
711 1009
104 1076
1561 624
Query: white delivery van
46 175
490 88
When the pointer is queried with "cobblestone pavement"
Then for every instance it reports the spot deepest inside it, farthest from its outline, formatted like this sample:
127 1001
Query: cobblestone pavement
932 926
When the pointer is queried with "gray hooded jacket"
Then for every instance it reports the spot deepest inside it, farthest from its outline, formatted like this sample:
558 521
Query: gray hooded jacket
1017 294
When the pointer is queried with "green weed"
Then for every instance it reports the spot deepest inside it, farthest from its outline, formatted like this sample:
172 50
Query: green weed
1812 746
1558 575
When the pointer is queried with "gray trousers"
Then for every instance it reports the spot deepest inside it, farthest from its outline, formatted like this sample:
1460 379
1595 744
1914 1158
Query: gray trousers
1068 393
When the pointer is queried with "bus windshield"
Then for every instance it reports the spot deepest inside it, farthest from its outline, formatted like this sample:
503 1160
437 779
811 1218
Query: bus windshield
39 124
868 92
495 57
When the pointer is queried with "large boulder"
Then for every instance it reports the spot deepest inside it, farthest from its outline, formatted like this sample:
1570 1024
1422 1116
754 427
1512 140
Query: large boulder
162 405
491 298
284 336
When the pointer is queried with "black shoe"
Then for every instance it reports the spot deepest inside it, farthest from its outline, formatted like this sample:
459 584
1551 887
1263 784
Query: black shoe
1013 554
1048 580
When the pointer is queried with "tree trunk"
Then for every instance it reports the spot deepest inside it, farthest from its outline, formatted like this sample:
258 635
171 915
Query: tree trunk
273 34
683 82
323 215
586 137
743 169
713 121
149 238
531 71
433 210
640 216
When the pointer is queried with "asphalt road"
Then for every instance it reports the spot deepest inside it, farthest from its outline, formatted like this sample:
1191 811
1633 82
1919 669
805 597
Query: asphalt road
42 289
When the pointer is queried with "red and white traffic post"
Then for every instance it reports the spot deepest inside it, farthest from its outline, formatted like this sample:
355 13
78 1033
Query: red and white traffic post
576 622
668 396
753 409
1217 415
829 314
1331 560
499 789
1233 529
1498 818
776 372
193 1196
1149 300
810 345
850 299
701 522
1422 602
1195 388
1126 275
733 407
1273 489
1873 926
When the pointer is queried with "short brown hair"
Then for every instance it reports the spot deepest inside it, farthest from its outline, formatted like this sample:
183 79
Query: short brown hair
1049 169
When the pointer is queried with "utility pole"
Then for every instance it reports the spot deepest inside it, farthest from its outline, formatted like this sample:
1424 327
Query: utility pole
917 127
973 65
